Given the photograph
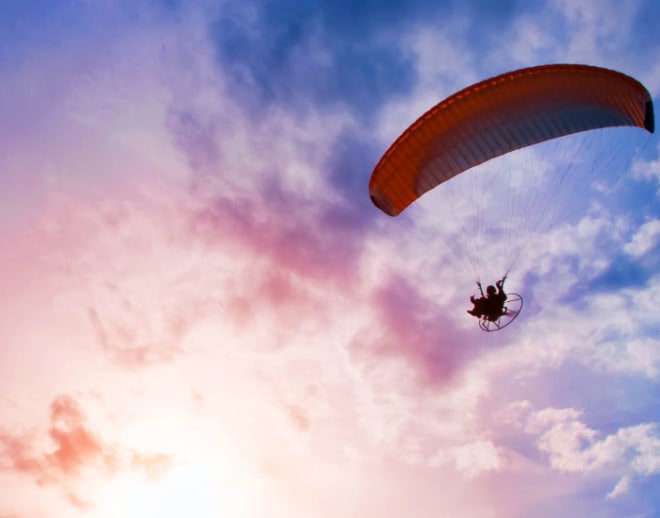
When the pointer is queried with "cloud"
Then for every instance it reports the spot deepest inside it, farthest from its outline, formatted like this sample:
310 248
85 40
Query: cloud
646 169
644 240
596 30
286 188
75 453
261 222
609 332
317 51
621 488
572 446
475 458
122 346
133 307
411 329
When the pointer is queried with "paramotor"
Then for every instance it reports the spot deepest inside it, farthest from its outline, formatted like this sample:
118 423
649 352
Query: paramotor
500 115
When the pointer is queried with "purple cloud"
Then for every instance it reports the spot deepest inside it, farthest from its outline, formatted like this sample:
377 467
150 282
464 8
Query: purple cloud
416 330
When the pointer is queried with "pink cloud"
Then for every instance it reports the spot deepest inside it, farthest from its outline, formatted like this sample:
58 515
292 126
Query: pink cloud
128 353
410 327
76 453
284 227
75 445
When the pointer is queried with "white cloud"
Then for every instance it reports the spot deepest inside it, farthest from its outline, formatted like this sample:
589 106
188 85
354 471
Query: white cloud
572 446
477 457
597 30
644 239
647 170
443 65
632 356
531 37
622 487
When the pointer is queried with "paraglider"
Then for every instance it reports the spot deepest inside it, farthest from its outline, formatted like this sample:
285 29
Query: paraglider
496 117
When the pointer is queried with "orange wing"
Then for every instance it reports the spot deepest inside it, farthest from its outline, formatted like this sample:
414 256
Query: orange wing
502 114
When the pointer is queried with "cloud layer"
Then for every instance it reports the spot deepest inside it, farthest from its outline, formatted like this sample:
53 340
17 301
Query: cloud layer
200 296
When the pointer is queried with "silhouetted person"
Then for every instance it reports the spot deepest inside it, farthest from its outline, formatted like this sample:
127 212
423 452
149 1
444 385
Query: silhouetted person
491 305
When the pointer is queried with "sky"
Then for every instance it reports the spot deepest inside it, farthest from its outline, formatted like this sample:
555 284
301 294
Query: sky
202 313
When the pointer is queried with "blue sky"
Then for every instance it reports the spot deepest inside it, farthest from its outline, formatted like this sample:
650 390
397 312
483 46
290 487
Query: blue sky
203 312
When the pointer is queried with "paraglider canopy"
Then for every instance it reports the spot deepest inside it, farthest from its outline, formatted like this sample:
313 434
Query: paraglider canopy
500 115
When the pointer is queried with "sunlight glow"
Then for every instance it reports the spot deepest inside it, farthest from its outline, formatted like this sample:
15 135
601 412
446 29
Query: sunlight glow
194 487
187 490
204 474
